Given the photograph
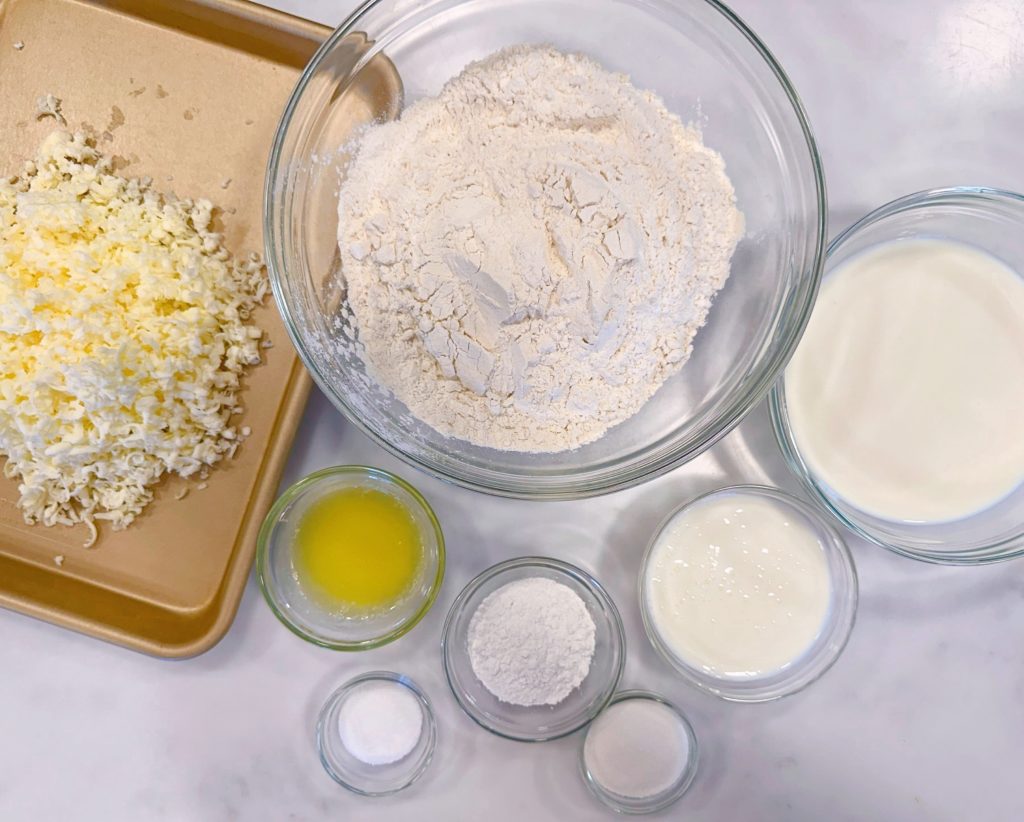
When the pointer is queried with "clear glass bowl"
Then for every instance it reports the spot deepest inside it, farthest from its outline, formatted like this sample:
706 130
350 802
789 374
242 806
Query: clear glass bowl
302 614
708 67
827 646
543 722
992 221
356 775
655 802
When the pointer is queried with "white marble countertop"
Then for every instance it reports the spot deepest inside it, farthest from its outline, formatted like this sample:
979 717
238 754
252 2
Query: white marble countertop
921 719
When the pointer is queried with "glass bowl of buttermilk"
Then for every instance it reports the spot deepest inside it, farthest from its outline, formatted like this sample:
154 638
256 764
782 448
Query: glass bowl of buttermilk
589 286
749 593
901 410
350 558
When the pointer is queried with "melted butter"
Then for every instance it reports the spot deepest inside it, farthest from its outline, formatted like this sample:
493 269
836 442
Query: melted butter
357 550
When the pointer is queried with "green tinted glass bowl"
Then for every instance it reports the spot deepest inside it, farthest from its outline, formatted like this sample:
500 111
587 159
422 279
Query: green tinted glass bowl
303 614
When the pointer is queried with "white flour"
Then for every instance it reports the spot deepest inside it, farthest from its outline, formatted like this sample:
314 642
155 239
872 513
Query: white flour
529 255
531 641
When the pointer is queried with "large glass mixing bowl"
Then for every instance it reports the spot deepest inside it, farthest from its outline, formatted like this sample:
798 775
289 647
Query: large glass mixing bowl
709 68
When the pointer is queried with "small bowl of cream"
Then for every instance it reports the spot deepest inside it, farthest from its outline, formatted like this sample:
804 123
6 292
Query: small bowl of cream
748 593
901 409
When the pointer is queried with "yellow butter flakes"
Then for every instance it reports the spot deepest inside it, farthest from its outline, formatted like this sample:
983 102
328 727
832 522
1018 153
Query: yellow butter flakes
123 334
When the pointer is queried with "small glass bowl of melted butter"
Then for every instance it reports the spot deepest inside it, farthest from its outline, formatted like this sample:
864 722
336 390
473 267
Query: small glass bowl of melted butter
350 558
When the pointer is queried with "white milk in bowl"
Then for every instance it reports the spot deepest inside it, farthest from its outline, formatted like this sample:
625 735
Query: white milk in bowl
737 585
906 394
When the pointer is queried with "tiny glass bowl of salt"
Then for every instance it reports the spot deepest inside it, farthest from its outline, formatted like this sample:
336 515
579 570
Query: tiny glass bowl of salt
640 754
533 649
376 733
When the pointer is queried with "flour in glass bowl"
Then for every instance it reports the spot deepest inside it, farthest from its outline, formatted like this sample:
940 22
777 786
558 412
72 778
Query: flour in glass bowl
529 255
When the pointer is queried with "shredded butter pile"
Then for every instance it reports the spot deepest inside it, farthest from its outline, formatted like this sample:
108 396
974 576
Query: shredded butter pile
123 335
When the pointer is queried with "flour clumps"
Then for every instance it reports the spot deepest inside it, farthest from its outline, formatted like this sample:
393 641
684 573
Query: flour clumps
528 255
531 642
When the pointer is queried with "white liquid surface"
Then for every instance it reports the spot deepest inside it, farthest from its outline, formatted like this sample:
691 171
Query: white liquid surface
906 394
738 586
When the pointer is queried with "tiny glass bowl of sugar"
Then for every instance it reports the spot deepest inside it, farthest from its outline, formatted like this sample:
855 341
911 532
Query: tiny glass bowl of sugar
900 411
640 755
376 733
565 683
749 593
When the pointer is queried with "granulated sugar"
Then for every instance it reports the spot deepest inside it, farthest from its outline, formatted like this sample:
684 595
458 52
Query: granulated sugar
529 255
637 748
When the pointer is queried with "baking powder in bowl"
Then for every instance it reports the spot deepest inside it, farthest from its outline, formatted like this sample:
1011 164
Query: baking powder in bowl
529 255
737 586
531 642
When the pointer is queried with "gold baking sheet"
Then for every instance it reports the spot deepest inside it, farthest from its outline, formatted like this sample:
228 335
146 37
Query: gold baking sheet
188 92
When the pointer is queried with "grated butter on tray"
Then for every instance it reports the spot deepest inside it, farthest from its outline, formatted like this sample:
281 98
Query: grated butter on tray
123 334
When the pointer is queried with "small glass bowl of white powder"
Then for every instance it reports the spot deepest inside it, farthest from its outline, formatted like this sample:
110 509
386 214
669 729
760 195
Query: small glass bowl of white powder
640 754
533 649
376 733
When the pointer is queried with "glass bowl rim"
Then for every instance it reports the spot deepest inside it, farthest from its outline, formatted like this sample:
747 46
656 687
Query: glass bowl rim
667 797
608 478
995 551
293 492
582 577
429 727
735 690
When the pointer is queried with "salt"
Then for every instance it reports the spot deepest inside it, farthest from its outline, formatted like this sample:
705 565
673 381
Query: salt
637 748
380 723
